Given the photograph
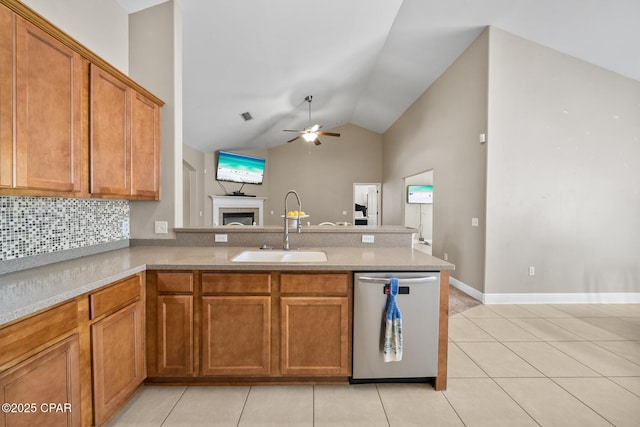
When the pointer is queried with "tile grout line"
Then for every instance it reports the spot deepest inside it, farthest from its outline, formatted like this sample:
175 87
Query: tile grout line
386 416
244 405
174 406
584 403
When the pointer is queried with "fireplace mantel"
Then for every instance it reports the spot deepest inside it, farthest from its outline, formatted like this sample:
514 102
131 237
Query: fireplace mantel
237 203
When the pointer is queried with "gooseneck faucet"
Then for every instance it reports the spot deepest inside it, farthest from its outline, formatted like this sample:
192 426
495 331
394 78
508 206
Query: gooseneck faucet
285 245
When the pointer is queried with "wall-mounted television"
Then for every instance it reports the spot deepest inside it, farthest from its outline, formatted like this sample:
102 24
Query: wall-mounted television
240 168
419 193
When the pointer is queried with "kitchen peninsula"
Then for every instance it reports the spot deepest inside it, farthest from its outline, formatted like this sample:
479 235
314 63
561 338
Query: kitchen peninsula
160 306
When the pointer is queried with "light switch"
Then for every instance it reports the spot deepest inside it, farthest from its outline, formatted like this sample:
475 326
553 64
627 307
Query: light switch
474 222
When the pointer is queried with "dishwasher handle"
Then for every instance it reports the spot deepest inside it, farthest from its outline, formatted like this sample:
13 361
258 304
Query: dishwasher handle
386 281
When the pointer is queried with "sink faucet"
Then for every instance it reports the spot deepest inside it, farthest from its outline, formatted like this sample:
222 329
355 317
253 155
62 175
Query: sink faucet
285 245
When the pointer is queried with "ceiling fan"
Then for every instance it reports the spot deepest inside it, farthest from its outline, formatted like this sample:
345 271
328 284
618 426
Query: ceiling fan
310 134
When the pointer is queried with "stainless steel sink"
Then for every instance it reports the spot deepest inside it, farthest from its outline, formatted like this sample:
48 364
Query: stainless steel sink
270 255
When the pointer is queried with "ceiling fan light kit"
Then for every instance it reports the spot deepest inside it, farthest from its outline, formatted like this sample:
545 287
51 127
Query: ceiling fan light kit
310 134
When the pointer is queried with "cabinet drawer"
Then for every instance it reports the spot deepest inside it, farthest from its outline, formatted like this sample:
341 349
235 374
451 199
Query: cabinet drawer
332 283
236 283
118 295
27 335
175 282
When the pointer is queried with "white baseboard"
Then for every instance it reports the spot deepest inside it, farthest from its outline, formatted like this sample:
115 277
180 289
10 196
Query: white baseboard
472 292
548 298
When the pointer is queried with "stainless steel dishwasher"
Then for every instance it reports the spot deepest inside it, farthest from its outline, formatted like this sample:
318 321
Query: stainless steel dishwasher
419 301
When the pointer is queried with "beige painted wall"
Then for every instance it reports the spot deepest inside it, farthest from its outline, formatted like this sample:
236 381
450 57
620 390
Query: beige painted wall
323 175
440 132
102 26
154 62
564 173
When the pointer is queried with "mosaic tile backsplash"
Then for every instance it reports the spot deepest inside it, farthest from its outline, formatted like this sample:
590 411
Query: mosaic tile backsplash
40 225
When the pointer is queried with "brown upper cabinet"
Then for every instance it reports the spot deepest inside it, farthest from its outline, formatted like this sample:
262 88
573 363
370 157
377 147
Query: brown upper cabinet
41 86
67 128
124 139
7 43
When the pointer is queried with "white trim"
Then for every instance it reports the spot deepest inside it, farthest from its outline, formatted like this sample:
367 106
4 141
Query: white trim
565 298
548 298
472 292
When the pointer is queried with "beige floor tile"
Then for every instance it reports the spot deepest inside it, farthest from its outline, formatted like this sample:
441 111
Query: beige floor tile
349 405
584 329
416 405
621 310
544 310
634 320
617 405
481 402
583 310
630 383
278 406
208 406
149 407
599 359
459 365
479 311
549 360
630 350
504 330
549 404
546 330
511 311
497 360
466 330
617 326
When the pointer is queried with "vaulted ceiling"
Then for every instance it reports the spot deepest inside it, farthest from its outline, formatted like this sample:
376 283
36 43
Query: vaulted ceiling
364 61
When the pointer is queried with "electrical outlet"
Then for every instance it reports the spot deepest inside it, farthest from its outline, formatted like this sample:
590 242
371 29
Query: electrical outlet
161 227
532 271
221 238
474 222
125 227
446 256
368 238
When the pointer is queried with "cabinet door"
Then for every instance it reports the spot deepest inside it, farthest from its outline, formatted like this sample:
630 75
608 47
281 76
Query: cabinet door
175 335
110 134
236 335
6 96
145 148
118 359
314 336
51 376
48 123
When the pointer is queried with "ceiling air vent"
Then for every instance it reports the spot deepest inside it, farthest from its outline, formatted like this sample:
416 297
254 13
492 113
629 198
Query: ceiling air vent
246 116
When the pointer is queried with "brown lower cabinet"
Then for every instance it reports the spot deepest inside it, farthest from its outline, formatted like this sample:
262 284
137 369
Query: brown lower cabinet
248 325
117 345
44 390
118 359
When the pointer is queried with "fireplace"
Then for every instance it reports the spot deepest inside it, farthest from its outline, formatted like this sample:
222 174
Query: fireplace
237 205
244 218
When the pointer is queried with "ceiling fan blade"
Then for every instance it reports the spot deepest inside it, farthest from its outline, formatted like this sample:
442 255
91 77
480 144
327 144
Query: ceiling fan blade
329 133
315 128
317 141
291 140
291 130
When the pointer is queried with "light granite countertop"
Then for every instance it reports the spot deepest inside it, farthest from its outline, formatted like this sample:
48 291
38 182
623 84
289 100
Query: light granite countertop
28 291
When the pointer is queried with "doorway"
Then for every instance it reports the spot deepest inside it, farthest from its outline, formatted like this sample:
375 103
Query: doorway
189 195
366 204
420 215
